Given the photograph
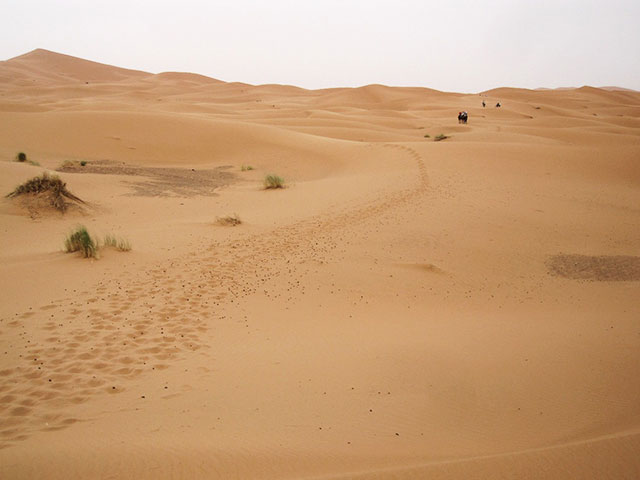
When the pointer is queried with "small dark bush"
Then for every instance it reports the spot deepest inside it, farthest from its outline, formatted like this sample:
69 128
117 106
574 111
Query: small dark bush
21 157
440 137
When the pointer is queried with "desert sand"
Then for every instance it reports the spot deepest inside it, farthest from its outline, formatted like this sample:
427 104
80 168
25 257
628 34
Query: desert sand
405 308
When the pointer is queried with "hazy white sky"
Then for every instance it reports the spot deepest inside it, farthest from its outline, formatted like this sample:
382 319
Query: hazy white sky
462 45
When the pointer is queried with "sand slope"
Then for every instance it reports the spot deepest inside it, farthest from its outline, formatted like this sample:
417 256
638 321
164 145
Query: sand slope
405 309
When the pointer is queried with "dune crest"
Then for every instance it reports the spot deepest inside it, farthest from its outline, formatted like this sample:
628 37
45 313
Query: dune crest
42 65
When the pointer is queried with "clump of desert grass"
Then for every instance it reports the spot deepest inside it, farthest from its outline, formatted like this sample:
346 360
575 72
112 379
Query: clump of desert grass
273 181
246 168
427 136
229 220
119 243
79 240
50 186
440 137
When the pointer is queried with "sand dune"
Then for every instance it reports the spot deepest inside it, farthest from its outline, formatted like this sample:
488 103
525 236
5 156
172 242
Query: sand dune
406 308
44 67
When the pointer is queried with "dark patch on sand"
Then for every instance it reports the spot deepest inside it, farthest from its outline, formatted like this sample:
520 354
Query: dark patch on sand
423 267
162 181
603 268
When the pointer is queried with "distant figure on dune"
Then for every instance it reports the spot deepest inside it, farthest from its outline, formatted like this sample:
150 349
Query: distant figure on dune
498 105
483 104
462 117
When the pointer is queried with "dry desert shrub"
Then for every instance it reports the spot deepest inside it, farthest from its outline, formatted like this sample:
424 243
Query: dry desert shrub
67 164
440 137
229 221
47 185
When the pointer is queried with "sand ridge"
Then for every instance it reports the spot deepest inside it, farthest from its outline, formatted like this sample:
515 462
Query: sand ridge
404 308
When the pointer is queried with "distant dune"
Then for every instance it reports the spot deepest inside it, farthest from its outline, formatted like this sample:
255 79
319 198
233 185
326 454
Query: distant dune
603 88
404 308
45 66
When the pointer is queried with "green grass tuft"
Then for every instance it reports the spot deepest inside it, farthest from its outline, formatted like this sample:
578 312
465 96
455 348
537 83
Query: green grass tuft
121 244
273 181
246 168
80 241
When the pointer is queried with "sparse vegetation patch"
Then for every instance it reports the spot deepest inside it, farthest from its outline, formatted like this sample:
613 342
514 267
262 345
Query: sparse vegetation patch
80 241
246 168
273 181
50 186
120 244
440 137
229 221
